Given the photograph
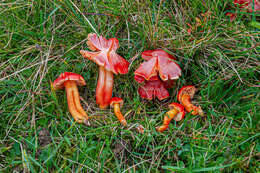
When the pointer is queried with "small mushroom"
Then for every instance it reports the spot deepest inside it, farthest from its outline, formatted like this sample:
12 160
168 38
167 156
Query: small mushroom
184 96
116 103
176 112
69 81
109 63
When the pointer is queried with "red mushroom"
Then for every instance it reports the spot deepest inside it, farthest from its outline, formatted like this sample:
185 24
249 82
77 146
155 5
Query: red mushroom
184 96
176 112
157 74
69 81
109 62
116 103
158 61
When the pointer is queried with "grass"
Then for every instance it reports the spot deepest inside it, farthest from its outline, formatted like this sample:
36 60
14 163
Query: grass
41 39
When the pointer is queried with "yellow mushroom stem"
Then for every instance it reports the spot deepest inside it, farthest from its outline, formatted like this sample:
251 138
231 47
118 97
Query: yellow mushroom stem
186 102
119 114
73 100
167 119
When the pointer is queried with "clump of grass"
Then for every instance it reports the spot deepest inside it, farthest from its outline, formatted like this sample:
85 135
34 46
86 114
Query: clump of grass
41 39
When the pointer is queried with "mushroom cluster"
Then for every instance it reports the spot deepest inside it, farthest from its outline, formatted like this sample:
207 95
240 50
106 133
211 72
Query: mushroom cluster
177 111
156 74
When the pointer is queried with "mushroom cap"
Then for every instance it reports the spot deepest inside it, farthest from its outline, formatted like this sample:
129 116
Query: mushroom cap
68 76
189 90
158 61
105 54
180 115
152 89
116 100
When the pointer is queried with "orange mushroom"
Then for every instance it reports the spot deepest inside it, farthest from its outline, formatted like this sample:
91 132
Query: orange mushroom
116 103
176 112
184 96
109 63
69 81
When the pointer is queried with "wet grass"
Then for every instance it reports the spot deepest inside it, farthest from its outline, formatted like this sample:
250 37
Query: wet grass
41 39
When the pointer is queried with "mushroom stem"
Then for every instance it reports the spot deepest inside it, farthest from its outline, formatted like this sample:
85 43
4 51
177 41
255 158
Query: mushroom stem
73 100
104 87
108 88
100 85
119 114
167 119
186 101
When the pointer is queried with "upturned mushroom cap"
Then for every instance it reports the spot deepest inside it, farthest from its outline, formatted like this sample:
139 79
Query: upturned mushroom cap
158 62
117 100
68 76
189 90
181 110
105 54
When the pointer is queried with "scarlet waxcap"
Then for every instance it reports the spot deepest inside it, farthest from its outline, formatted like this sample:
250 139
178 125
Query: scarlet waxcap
68 76
181 111
189 90
116 100
105 54
158 62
